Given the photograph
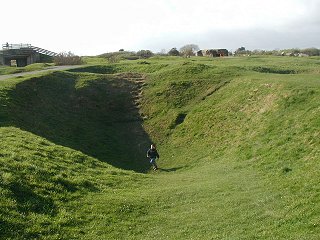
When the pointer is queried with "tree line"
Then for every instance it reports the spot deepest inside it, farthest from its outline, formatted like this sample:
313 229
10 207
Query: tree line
284 52
192 49
187 50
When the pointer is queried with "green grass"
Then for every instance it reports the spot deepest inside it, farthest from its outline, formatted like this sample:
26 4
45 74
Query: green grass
238 140
32 67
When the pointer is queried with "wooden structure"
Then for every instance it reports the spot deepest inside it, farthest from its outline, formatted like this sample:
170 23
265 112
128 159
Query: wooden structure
24 54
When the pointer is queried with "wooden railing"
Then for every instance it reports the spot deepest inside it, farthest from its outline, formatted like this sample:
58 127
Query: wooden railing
15 46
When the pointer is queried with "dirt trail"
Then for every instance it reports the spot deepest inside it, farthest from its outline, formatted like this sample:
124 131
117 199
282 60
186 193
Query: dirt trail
53 68
139 83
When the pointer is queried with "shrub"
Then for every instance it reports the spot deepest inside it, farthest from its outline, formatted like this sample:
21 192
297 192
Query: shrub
67 58
145 54
114 57
189 50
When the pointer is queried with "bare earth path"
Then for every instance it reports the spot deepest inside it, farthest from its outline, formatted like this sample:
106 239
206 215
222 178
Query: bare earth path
53 68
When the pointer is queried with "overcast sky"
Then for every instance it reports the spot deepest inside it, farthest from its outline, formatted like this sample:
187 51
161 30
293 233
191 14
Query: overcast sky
91 27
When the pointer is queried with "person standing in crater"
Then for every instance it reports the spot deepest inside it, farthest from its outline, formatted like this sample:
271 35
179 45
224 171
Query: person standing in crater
153 154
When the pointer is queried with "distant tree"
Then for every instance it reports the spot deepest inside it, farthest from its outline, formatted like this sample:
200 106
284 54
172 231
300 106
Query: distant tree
163 52
242 51
189 50
174 52
296 50
311 51
145 53
265 52
114 59
121 50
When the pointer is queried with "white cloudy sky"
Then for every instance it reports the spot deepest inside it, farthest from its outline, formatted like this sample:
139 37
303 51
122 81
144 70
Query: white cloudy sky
91 27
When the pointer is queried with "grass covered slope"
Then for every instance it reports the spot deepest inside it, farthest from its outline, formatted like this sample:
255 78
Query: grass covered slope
238 139
265 126
95 114
44 179
41 183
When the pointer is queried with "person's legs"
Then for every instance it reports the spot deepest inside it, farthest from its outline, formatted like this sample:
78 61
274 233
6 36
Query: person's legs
153 162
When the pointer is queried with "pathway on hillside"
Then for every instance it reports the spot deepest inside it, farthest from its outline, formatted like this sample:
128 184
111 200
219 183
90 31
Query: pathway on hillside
52 68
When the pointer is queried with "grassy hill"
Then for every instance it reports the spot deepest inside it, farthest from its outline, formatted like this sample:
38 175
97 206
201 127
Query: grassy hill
238 140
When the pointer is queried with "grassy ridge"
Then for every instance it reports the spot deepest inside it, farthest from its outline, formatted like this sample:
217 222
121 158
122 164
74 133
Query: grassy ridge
238 139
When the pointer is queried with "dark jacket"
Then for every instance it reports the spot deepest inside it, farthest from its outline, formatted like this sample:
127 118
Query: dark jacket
152 153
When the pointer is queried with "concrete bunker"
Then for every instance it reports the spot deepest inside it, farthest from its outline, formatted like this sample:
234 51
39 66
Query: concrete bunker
21 55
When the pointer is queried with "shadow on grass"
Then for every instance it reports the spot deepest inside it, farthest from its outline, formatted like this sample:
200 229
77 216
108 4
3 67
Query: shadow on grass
10 229
170 169
14 218
95 114
28 201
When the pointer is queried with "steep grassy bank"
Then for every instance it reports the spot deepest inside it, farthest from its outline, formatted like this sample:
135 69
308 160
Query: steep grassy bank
95 114
43 119
238 139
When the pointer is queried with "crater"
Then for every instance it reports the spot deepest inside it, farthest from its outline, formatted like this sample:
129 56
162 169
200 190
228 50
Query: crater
274 70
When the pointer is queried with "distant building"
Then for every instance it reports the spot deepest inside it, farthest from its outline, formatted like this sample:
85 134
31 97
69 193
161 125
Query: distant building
213 53
24 54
